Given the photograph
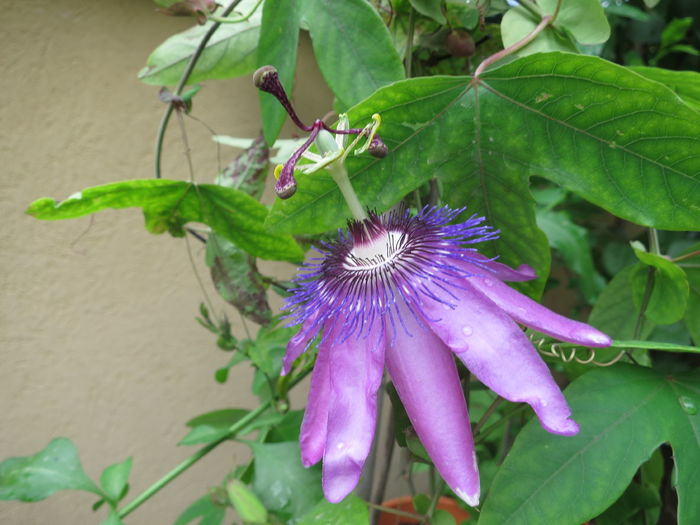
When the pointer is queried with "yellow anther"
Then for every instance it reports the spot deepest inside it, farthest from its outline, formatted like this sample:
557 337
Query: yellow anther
278 170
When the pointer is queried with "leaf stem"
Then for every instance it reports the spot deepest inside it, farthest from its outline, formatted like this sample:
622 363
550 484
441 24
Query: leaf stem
194 458
546 20
224 20
686 256
180 86
408 52
398 512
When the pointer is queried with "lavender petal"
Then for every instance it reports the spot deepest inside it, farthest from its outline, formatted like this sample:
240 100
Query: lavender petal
499 354
356 369
425 376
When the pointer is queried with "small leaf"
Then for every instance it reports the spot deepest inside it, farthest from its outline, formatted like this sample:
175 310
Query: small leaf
281 482
431 9
584 19
204 510
353 48
33 478
517 23
168 205
669 296
571 240
114 480
246 503
236 277
229 53
351 511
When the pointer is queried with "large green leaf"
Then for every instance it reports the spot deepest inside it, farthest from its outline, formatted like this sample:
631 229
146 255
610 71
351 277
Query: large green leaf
115 479
33 478
353 48
229 53
282 483
625 413
279 40
591 126
686 84
168 205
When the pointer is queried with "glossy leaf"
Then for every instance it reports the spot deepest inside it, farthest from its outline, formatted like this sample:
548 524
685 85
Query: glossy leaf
229 53
236 277
351 511
430 8
168 205
544 475
685 84
33 478
114 480
205 511
586 124
615 312
517 23
353 48
571 240
279 40
281 482
669 296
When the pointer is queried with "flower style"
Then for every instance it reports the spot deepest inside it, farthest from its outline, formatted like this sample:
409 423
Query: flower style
406 292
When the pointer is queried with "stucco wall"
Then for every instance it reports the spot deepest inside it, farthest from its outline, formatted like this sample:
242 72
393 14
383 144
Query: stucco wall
97 331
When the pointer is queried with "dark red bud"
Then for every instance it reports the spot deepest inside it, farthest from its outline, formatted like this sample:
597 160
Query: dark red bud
460 43
377 148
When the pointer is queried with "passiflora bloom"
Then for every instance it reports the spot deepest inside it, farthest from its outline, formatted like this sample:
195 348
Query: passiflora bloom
407 293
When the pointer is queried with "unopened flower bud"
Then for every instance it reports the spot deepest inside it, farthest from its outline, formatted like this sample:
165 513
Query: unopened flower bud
377 148
286 184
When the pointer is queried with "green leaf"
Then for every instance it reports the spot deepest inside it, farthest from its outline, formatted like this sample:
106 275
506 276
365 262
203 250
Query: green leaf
269 347
353 48
571 240
669 297
246 503
584 19
287 429
431 9
236 277
685 84
544 476
33 478
586 124
281 482
229 53
675 31
279 40
351 511
212 426
168 205
115 479
204 510
615 312
517 23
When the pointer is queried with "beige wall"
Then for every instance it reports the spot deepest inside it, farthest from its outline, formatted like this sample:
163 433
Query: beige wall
98 341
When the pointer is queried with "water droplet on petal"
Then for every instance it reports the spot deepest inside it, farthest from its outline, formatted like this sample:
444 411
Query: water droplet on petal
340 445
688 405
467 330
488 282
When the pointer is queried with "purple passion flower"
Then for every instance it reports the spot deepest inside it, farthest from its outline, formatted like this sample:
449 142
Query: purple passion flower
406 293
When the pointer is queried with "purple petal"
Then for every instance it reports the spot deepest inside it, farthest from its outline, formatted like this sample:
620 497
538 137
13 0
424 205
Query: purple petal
425 376
356 369
499 354
500 270
535 316
314 427
298 344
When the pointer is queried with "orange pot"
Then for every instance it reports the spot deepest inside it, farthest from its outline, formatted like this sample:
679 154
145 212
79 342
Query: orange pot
405 504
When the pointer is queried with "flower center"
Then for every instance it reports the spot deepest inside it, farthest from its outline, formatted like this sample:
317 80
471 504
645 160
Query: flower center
382 250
